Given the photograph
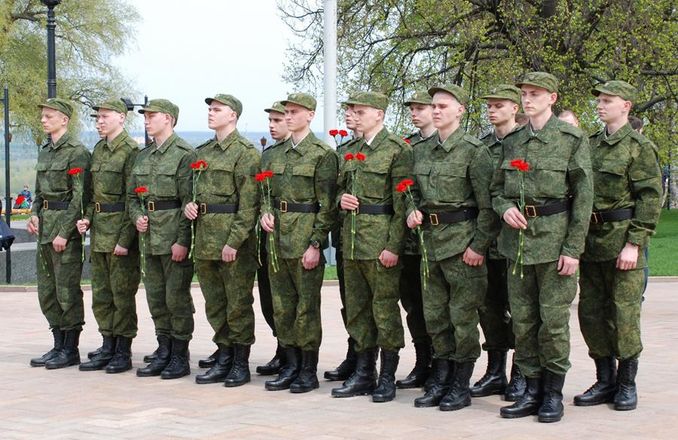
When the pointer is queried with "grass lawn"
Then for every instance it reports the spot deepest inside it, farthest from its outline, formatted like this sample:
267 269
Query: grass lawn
664 245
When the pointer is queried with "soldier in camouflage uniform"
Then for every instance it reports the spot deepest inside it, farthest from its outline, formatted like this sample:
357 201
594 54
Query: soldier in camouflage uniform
558 191
59 197
503 102
164 168
626 207
303 189
421 114
367 186
114 250
453 172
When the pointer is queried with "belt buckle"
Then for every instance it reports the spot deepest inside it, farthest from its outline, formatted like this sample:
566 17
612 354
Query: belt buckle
45 204
283 206
433 218
97 207
203 208
596 217
151 206
530 211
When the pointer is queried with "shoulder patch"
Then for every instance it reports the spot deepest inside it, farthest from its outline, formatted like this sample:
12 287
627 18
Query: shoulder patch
642 140
204 144
473 140
564 127
596 134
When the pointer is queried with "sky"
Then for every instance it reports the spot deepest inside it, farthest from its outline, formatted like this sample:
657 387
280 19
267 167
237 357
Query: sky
186 51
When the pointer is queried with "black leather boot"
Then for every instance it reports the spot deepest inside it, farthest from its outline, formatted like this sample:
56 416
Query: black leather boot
516 386
439 387
161 359
308 376
346 367
459 395
605 387
274 365
58 336
626 398
528 404
363 380
178 365
101 360
69 354
494 380
422 368
288 373
122 359
222 365
210 361
386 387
240 371
551 409
104 343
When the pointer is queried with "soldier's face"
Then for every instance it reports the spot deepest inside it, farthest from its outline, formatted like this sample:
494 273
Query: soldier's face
349 116
446 110
501 111
367 118
109 121
277 126
97 125
297 117
536 100
421 114
155 122
611 108
52 120
219 115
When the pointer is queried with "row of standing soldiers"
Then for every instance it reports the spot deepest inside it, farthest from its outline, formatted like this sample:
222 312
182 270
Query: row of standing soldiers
462 231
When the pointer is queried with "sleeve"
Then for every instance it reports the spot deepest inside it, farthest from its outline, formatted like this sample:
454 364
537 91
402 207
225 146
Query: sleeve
134 208
36 207
500 203
487 225
401 168
645 179
580 180
325 182
248 198
184 177
81 191
127 229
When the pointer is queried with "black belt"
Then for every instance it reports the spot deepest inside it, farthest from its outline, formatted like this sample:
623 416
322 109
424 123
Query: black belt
218 208
613 215
55 205
109 207
449 217
375 209
162 205
285 206
550 209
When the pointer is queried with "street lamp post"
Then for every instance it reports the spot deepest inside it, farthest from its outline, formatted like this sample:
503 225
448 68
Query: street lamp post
130 107
8 193
51 51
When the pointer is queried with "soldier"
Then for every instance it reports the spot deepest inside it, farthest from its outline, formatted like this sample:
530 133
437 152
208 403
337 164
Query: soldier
558 193
61 189
367 190
303 191
626 207
569 117
114 251
164 169
503 103
421 114
225 213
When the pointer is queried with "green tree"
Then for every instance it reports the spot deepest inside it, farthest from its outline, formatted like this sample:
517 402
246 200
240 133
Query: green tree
89 34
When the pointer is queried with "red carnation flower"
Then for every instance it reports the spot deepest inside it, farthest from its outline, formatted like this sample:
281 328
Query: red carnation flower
74 171
199 165
407 141
267 173
334 132
343 133
349 156
259 177
520 165
141 190
360 156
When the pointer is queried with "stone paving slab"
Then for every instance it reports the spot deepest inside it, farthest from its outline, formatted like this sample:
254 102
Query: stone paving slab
69 404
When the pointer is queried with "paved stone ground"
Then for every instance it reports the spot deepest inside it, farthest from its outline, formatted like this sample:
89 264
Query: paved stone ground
69 404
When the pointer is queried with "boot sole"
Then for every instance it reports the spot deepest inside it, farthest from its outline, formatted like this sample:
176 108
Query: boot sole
58 367
267 372
549 419
103 367
519 415
148 374
426 405
174 376
237 384
117 370
298 390
485 393
209 381
376 399
455 407
361 393
625 407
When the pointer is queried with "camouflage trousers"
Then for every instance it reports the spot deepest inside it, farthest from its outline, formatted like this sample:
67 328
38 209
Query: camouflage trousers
609 309
372 311
115 280
455 292
494 318
227 288
411 298
296 303
168 293
540 307
59 290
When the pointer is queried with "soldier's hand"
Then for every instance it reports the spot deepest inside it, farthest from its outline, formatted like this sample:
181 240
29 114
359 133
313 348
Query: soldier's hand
82 225
120 251
515 219
567 265
414 219
628 257
179 252
142 223
472 258
228 254
267 222
311 258
191 210
59 244
33 225
349 202
388 258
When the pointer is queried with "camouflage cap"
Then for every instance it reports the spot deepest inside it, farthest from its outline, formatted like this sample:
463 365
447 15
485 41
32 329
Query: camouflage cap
504 91
58 104
117 105
617 88
276 107
369 99
303 99
418 97
540 79
228 100
161 106
453 89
